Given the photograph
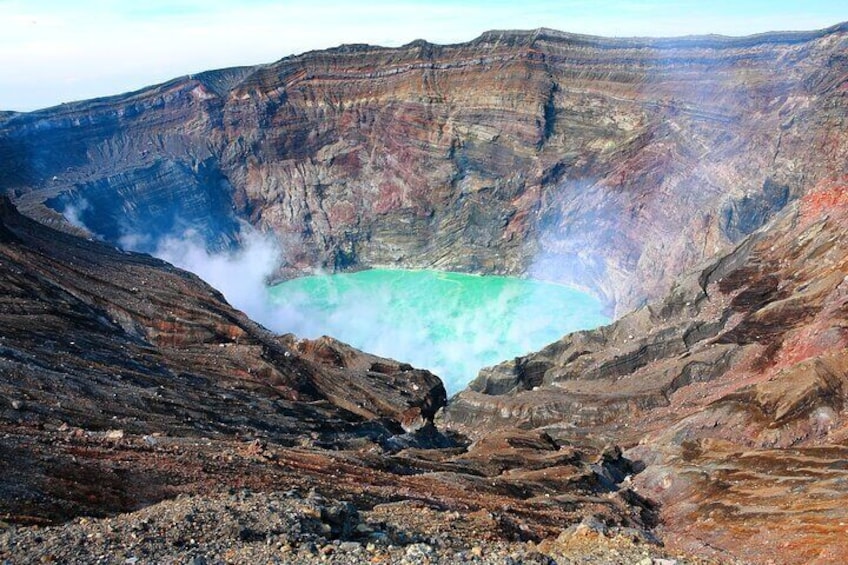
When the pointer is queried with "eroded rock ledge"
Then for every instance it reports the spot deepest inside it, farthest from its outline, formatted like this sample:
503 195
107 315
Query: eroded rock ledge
125 383
731 392
611 163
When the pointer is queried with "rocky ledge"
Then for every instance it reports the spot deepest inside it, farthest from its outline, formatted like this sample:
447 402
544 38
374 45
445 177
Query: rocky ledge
730 393
712 419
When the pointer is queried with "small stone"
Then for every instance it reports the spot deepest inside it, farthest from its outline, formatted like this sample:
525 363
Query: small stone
17 404
419 551
659 561
350 547
312 512
379 538
477 551
341 518
114 434
363 528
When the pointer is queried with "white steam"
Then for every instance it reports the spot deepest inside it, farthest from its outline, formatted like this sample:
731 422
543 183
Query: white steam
73 213
240 275
450 332
451 324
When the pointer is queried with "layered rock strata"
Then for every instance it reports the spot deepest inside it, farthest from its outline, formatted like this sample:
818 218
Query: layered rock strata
613 164
730 392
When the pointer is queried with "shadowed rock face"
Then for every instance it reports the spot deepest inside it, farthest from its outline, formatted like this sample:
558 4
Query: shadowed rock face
731 391
611 164
98 339
75 309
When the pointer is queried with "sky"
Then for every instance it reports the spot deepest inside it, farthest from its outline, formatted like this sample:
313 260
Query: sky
54 51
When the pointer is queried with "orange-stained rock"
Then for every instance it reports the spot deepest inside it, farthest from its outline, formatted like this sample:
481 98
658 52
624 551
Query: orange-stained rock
125 381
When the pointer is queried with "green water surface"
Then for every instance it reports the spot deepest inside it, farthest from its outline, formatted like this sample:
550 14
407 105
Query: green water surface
452 324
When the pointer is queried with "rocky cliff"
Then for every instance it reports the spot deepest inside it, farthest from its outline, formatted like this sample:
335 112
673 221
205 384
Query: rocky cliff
730 392
97 339
613 164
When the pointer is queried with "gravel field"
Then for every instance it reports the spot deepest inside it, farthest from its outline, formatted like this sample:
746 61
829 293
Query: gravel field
298 528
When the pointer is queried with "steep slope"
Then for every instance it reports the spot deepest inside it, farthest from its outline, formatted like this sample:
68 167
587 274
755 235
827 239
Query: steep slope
731 392
125 382
99 339
613 164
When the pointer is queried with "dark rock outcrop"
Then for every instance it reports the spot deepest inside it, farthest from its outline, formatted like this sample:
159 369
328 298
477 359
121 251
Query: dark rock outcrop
614 164
99 339
83 312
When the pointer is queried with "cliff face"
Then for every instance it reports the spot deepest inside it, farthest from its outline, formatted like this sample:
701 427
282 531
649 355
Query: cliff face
95 339
731 385
612 164
84 313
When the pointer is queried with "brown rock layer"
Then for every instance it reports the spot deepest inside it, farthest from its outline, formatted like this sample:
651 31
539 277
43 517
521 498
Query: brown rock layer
613 164
99 339
731 392
125 382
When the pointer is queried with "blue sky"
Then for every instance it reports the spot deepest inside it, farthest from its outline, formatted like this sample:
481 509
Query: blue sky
54 51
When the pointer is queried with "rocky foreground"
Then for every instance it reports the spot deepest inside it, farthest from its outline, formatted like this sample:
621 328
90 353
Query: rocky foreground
242 526
228 444
730 393
127 382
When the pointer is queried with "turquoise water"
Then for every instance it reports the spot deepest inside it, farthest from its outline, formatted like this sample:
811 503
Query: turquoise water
452 324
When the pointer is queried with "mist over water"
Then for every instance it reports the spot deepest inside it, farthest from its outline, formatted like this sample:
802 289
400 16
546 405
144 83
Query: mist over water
452 324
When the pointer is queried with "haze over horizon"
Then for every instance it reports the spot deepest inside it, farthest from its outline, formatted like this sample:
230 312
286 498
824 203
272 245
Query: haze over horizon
54 52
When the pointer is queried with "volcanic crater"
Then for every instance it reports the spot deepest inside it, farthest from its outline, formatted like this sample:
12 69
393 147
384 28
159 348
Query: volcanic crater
696 185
